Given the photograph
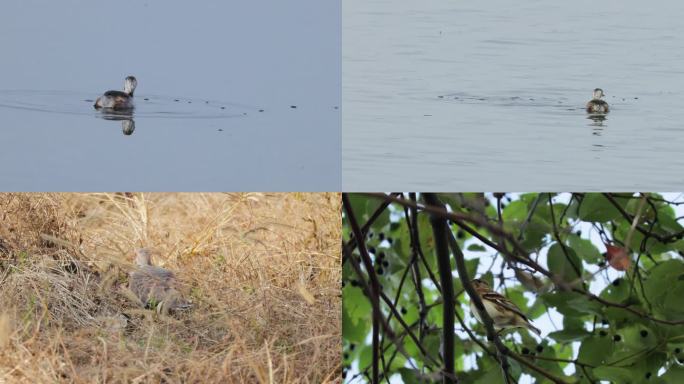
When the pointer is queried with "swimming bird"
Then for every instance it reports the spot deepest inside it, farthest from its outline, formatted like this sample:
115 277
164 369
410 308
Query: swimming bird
503 312
596 105
118 100
156 287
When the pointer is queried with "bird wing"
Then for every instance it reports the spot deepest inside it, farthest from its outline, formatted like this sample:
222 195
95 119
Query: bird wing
117 94
504 302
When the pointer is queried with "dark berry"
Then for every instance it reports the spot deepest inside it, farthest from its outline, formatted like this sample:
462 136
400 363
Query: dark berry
578 233
381 236
380 271
385 263
678 350
403 311
643 333
617 338
616 282
371 250
648 375
354 283
381 255
345 355
389 240
601 264
604 321
352 346
602 333
540 348
460 234
525 351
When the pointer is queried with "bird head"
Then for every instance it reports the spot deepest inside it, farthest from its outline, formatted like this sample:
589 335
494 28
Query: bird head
480 284
143 256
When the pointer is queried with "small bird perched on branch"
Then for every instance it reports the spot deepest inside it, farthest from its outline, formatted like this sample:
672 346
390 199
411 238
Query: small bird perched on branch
503 312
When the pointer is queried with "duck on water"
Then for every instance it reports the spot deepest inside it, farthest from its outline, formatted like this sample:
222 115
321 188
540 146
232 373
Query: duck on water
596 105
118 100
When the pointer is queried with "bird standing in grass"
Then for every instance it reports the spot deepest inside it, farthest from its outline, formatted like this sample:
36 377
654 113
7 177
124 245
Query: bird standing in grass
155 286
503 312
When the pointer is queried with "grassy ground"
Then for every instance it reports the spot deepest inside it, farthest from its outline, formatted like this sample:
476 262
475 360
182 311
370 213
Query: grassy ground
261 269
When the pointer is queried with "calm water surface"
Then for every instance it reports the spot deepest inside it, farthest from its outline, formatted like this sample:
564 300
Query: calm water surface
463 95
231 96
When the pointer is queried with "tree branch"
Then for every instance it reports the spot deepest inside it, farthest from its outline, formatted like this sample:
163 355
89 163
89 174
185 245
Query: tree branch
472 294
374 286
439 226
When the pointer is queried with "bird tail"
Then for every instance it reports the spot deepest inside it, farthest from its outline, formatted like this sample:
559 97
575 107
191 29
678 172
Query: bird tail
533 329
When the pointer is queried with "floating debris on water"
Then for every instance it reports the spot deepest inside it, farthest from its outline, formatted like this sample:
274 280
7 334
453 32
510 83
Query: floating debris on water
220 129
146 99
293 106
261 110
223 107
175 100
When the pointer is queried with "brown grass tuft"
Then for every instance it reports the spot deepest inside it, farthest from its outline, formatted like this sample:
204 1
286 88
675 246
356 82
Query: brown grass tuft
261 269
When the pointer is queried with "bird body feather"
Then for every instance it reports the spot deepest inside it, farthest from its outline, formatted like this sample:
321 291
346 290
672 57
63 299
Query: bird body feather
503 312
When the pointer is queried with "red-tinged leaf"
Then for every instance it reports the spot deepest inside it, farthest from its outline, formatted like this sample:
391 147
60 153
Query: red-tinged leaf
618 257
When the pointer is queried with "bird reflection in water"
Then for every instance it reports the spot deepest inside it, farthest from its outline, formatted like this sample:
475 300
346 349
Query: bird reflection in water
126 118
597 122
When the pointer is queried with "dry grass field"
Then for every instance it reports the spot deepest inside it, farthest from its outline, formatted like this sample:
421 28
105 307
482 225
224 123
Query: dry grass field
262 271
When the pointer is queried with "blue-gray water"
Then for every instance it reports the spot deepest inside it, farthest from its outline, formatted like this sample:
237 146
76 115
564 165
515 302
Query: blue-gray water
489 95
190 59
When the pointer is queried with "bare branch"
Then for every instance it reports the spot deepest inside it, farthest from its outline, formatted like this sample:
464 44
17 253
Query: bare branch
439 227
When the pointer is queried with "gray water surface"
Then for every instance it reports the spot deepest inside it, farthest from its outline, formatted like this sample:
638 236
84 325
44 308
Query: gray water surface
231 95
490 95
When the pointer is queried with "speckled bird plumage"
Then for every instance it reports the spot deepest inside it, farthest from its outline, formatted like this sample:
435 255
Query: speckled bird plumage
504 313
155 286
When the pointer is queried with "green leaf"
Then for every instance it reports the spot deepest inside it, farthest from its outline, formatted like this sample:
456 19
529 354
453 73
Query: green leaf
616 293
595 350
411 376
476 248
585 249
568 335
663 287
638 337
614 374
596 208
355 304
674 375
363 207
354 331
565 263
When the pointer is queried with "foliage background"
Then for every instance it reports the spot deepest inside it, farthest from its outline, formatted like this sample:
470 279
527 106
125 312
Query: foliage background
631 332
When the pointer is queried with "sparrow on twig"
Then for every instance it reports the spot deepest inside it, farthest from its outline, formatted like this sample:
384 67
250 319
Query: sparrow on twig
503 312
